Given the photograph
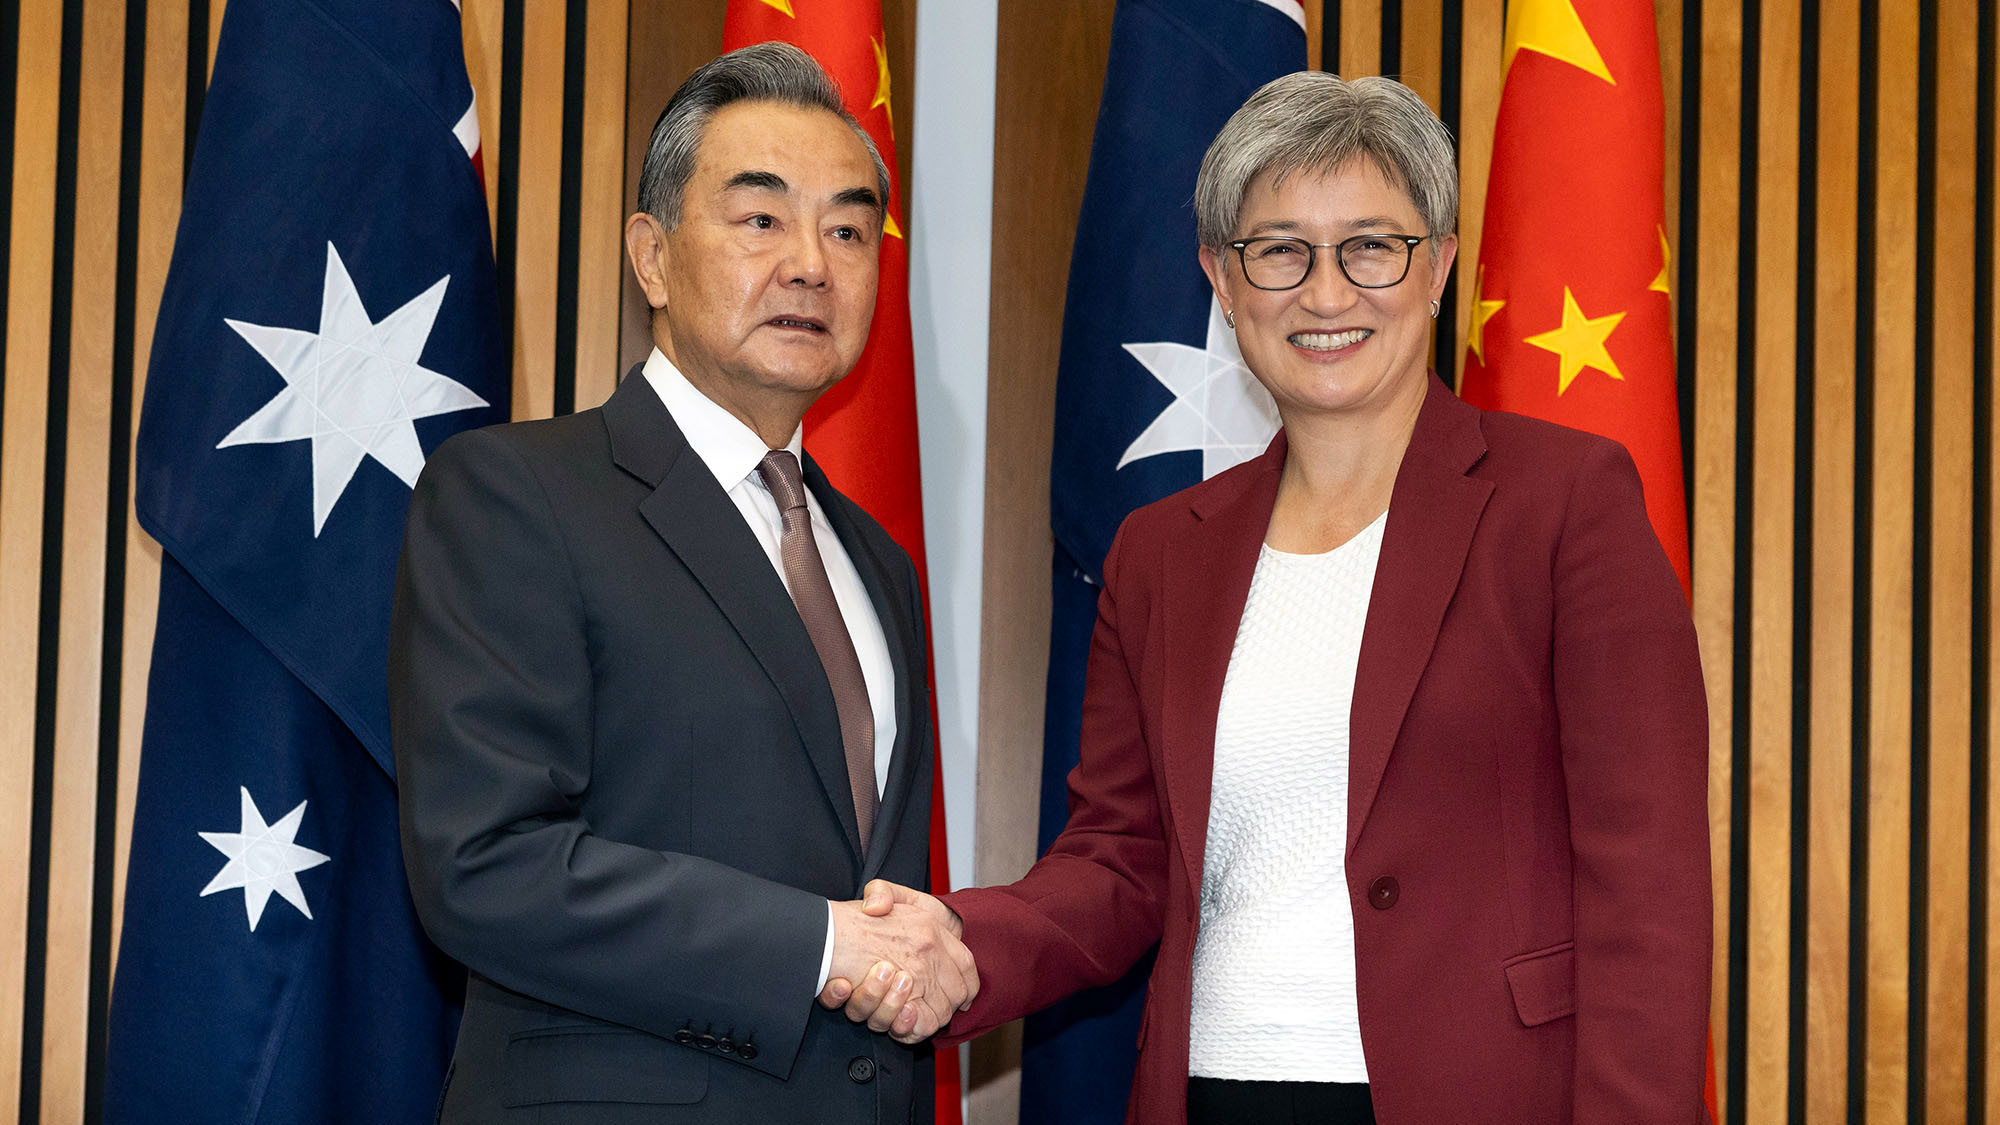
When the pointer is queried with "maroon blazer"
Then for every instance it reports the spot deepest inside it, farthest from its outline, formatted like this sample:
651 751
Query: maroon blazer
1527 836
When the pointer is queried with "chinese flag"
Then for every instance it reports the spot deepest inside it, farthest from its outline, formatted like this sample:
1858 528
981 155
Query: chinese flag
863 432
1570 317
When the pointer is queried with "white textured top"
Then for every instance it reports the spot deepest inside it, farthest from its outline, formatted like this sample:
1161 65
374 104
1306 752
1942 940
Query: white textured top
1274 958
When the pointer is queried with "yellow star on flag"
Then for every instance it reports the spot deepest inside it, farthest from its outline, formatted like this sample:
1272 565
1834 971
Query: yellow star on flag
784 6
889 226
1552 28
881 82
1482 311
1579 342
1661 284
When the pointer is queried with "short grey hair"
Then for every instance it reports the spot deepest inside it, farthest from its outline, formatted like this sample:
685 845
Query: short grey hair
1312 121
761 72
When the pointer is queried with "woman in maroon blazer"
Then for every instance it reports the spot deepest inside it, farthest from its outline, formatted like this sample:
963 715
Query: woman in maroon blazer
1394 738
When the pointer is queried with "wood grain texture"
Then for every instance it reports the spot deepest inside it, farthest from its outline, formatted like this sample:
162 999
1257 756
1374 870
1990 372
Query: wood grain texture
1830 858
1360 37
23 446
1423 52
601 211
1892 544
1479 107
538 210
1768 940
79 641
1712 530
1949 762
482 20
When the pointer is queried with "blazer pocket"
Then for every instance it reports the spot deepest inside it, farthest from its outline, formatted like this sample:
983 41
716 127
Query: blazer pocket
581 1063
1544 984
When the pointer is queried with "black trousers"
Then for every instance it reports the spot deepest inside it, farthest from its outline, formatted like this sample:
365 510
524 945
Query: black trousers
1225 1101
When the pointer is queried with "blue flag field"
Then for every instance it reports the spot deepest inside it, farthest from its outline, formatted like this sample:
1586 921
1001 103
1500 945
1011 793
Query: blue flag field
329 316
1151 397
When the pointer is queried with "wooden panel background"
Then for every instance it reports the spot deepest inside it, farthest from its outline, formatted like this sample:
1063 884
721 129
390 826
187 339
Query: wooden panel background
1832 209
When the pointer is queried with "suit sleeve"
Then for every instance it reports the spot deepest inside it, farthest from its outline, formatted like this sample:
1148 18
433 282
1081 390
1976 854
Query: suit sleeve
491 709
1092 905
1633 717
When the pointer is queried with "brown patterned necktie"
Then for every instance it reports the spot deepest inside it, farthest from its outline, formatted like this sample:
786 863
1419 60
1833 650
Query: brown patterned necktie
805 573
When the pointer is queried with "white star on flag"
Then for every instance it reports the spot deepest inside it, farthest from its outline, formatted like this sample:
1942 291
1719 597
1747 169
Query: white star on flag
1218 407
354 387
262 859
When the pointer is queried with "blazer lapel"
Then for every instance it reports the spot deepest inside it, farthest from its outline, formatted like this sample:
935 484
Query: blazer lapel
905 656
704 529
1205 586
1433 512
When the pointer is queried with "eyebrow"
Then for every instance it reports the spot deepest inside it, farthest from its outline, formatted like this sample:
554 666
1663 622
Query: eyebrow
1371 222
759 180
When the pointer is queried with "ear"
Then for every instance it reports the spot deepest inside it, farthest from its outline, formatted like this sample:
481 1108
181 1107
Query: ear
646 247
1446 254
1216 266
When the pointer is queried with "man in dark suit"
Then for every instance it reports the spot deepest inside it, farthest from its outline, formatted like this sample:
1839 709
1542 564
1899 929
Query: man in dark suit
658 695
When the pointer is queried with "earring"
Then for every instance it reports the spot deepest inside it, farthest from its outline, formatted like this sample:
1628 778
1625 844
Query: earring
1434 310
1229 317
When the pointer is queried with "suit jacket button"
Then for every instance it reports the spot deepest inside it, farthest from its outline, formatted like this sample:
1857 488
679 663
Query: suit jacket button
861 1069
684 1035
746 1051
1382 892
705 1041
726 1045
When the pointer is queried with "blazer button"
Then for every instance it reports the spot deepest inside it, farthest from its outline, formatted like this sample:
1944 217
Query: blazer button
705 1041
861 1069
746 1050
1382 892
684 1035
726 1045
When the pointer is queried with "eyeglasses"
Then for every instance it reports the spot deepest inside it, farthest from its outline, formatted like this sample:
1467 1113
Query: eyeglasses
1369 261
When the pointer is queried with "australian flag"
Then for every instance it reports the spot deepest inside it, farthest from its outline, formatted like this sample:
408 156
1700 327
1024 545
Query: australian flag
329 316
1151 397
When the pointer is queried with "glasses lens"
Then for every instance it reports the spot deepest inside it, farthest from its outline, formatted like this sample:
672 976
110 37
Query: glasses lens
1375 261
1276 263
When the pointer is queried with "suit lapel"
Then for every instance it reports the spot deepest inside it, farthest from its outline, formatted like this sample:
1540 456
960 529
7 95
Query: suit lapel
704 529
1433 512
905 657
1206 583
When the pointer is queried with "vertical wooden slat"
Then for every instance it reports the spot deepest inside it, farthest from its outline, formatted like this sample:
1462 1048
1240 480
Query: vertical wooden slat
73 793
600 249
1768 939
159 211
538 212
1315 34
482 21
1892 544
1991 1022
1836 174
1713 529
1360 38
23 444
1423 50
1479 106
1950 765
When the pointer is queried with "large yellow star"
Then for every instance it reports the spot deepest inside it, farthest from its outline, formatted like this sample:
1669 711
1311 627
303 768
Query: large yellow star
1482 311
784 6
1661 284
1552 28
1579 342
882 83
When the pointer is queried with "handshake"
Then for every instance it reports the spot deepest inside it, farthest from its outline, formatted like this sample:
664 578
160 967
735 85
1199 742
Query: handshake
898 963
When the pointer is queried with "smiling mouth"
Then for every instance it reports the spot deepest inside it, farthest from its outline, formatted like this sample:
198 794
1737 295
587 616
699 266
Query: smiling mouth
798 323
1329 341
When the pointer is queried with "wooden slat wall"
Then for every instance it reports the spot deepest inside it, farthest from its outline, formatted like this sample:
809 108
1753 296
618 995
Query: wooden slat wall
1832 208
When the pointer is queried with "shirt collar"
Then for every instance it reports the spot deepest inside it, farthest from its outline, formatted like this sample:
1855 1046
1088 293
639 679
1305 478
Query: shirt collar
730 449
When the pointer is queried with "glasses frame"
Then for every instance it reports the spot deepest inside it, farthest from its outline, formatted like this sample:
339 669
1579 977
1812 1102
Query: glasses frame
1409 241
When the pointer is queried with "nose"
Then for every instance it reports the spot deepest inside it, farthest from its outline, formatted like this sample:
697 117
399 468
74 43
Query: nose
1326 289
804 263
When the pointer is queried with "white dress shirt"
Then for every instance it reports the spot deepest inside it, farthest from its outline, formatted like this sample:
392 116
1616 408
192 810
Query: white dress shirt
732 451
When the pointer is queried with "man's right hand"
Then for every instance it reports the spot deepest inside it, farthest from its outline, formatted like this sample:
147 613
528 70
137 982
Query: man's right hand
903 948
